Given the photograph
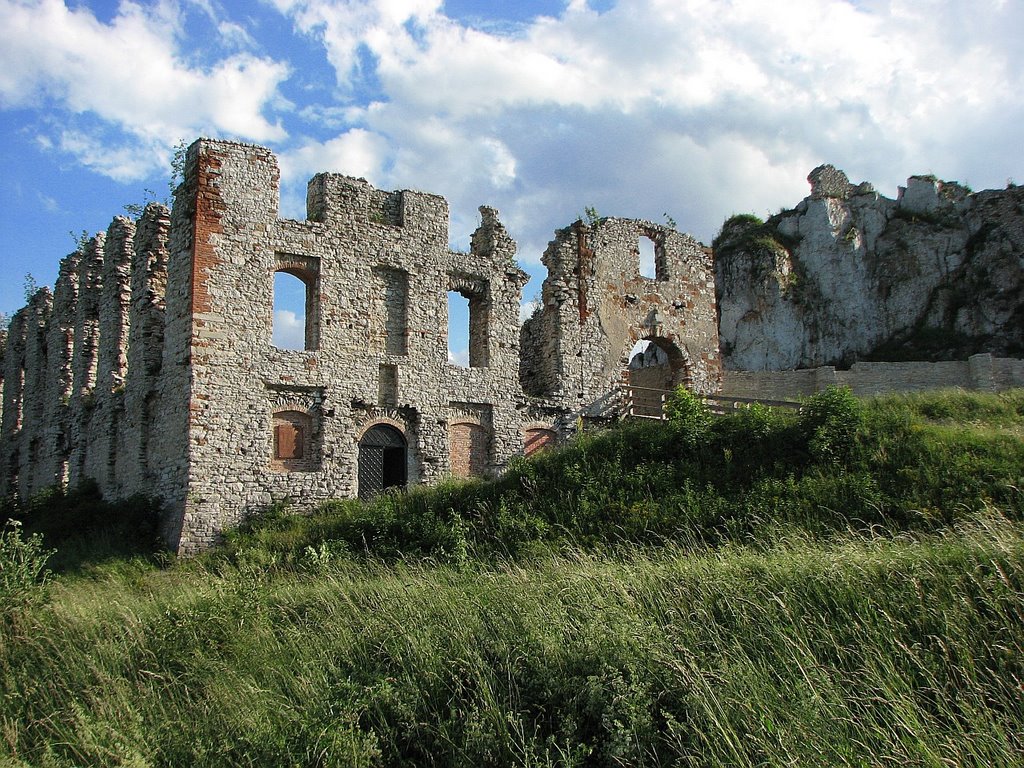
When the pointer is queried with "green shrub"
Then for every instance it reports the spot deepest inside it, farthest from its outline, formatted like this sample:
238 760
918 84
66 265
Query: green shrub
23 571
830 420
689 415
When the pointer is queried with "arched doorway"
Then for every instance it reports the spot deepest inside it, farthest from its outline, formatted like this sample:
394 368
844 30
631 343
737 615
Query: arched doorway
382 460
655 366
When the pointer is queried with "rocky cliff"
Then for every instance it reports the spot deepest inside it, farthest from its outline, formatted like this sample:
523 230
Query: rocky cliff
851 275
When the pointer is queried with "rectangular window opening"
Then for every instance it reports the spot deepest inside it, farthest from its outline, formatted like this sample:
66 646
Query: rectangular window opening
648 262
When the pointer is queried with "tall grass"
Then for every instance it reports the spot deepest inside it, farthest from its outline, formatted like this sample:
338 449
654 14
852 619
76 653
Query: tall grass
905 651
758 590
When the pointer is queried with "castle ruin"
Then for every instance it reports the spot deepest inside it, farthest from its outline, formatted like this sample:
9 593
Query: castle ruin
150 367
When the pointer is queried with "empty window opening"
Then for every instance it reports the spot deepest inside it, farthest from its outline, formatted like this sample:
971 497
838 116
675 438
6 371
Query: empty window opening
468 321
382 461
648 262
294 311
458 329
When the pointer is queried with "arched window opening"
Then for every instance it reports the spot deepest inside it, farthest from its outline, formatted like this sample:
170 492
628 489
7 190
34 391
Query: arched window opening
382 460
458 329
296 302
291 319
469 311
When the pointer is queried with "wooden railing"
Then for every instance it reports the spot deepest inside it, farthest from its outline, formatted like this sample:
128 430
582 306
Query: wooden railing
648 403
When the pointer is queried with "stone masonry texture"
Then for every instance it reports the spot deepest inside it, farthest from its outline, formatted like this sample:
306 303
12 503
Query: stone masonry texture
151 369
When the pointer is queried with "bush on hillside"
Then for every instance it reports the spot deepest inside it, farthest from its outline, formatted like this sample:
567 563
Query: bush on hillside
830 420
689 415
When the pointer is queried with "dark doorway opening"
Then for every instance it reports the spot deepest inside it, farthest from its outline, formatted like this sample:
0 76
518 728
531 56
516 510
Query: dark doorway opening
382 461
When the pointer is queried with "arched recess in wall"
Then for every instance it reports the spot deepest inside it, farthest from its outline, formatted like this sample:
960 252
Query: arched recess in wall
383 460
469 448
656 365
294 448
537 439
296 310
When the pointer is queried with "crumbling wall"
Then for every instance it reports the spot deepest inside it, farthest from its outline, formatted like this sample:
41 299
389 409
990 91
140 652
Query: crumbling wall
596 305
152 369
65 418
848 274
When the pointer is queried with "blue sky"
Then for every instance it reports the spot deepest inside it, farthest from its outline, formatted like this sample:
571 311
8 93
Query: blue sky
693 108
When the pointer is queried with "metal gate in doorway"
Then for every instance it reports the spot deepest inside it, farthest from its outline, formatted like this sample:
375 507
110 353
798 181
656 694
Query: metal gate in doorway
382 461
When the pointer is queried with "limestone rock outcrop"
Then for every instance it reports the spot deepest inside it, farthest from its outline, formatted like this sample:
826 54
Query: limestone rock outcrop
847 275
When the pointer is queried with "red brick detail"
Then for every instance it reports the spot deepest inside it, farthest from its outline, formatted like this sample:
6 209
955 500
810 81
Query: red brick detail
537 439
468 452
209 209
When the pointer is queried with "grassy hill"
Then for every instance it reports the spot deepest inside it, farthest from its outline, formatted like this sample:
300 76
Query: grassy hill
842 587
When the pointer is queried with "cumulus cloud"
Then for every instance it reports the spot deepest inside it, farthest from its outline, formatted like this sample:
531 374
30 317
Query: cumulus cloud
289 330
130 74
696 109
357 152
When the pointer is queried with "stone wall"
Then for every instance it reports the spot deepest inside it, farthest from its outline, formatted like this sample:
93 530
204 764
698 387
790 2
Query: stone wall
68 409
981 372
596 305
152 369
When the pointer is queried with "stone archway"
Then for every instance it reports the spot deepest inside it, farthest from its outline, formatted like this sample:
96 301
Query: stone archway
383 460
655 366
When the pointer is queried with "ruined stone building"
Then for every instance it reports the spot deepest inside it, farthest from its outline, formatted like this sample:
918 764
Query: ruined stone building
150 368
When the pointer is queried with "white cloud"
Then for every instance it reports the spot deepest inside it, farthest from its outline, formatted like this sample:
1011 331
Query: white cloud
526 309
289 330
357 152
131 75
694 108
459 357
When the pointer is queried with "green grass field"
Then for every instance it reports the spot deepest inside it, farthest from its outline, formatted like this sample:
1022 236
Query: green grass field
843 587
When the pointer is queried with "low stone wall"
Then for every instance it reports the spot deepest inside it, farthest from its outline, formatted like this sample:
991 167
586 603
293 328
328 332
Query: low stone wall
982 372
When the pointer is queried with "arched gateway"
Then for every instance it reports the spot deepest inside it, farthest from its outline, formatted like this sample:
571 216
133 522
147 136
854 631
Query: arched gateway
382 460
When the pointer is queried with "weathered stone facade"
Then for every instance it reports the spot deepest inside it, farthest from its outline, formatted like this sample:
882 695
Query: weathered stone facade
596 305
151 368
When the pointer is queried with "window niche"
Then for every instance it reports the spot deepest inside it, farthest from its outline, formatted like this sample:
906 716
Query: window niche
391 294
469 310
296 307
651 256
294 446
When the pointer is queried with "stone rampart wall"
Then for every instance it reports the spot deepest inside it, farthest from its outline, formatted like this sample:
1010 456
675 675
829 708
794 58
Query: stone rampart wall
981 372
